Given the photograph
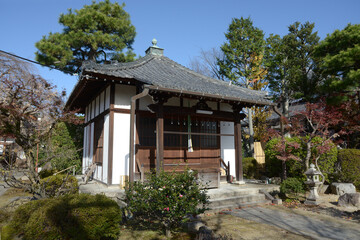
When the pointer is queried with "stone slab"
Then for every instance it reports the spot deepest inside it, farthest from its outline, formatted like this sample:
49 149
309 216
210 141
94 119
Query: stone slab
342 188
349 200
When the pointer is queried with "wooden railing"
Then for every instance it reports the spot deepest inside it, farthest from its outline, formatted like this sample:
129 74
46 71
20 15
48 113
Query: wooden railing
226 168
73 170
141 169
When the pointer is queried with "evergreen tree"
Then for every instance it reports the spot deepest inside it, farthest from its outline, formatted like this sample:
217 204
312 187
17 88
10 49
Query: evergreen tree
339 56
244 44
291 65
98 32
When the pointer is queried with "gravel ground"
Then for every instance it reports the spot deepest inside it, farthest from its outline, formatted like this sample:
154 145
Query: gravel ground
328 206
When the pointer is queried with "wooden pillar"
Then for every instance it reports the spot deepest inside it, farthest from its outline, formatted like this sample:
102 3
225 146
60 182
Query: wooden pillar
160 137
111 134
159 99
238 142
238 150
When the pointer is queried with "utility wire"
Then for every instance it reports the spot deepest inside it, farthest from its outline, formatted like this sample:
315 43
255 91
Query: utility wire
35 62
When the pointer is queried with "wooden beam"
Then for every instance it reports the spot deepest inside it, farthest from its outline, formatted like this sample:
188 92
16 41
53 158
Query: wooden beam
191 111
198 134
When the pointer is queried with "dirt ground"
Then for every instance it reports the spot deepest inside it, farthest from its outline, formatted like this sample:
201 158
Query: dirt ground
328 206
238 228
347 219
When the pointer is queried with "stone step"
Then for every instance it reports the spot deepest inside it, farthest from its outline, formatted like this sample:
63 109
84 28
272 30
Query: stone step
234 206
236 201
216 194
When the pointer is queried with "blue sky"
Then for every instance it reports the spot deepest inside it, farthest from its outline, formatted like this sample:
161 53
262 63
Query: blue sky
182 28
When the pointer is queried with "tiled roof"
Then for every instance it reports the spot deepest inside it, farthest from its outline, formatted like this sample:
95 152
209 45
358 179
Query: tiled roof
162 72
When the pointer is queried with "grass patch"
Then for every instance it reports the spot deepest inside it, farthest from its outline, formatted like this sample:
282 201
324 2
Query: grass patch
136 230
10 194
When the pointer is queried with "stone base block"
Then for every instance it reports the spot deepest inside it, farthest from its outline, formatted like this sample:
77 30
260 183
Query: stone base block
276 201
239 182
312 202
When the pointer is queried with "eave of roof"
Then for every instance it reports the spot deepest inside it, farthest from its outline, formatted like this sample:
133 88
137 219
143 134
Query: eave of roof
163 74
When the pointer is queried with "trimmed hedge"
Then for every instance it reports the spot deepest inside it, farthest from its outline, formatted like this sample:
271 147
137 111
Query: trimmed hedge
292 185
349 160
52 184
250 167
77 216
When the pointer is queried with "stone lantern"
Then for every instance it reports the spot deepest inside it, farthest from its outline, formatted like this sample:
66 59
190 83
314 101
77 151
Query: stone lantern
313 182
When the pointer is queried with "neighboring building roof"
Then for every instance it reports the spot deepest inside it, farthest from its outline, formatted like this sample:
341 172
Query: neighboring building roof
159 71
293 109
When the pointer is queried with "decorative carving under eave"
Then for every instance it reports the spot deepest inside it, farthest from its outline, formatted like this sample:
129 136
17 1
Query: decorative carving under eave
160 98
236 111
202 105
237 107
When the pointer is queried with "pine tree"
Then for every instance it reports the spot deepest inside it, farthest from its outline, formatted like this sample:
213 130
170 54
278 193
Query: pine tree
98 32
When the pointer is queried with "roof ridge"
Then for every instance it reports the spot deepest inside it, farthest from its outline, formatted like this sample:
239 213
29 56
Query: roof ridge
122 65
213 80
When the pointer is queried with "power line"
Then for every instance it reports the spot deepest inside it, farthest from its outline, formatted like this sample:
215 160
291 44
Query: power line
35 62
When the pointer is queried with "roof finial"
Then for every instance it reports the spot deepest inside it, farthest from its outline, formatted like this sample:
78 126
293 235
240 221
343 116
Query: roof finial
154 42
154 50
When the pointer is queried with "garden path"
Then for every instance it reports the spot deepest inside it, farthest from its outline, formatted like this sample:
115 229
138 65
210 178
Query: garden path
308 224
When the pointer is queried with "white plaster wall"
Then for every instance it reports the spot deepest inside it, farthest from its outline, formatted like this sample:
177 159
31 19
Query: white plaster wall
90 158
174 101
93 109
227 145
189 102
212 105
97 173
144 102
106 149
121 146
97 105
123 94
107 99
89 112
225 107
85 147
102 101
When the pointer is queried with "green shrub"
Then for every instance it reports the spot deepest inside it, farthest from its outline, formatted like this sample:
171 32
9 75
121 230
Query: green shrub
327 161
250 167
349 160
166 199
292 186
77 216
274 165
4 215
295 168
46 173
59 184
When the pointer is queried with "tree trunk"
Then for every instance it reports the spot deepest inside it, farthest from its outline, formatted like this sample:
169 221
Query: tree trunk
251 132
286 106
284 171
308 154
321 174
168 233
